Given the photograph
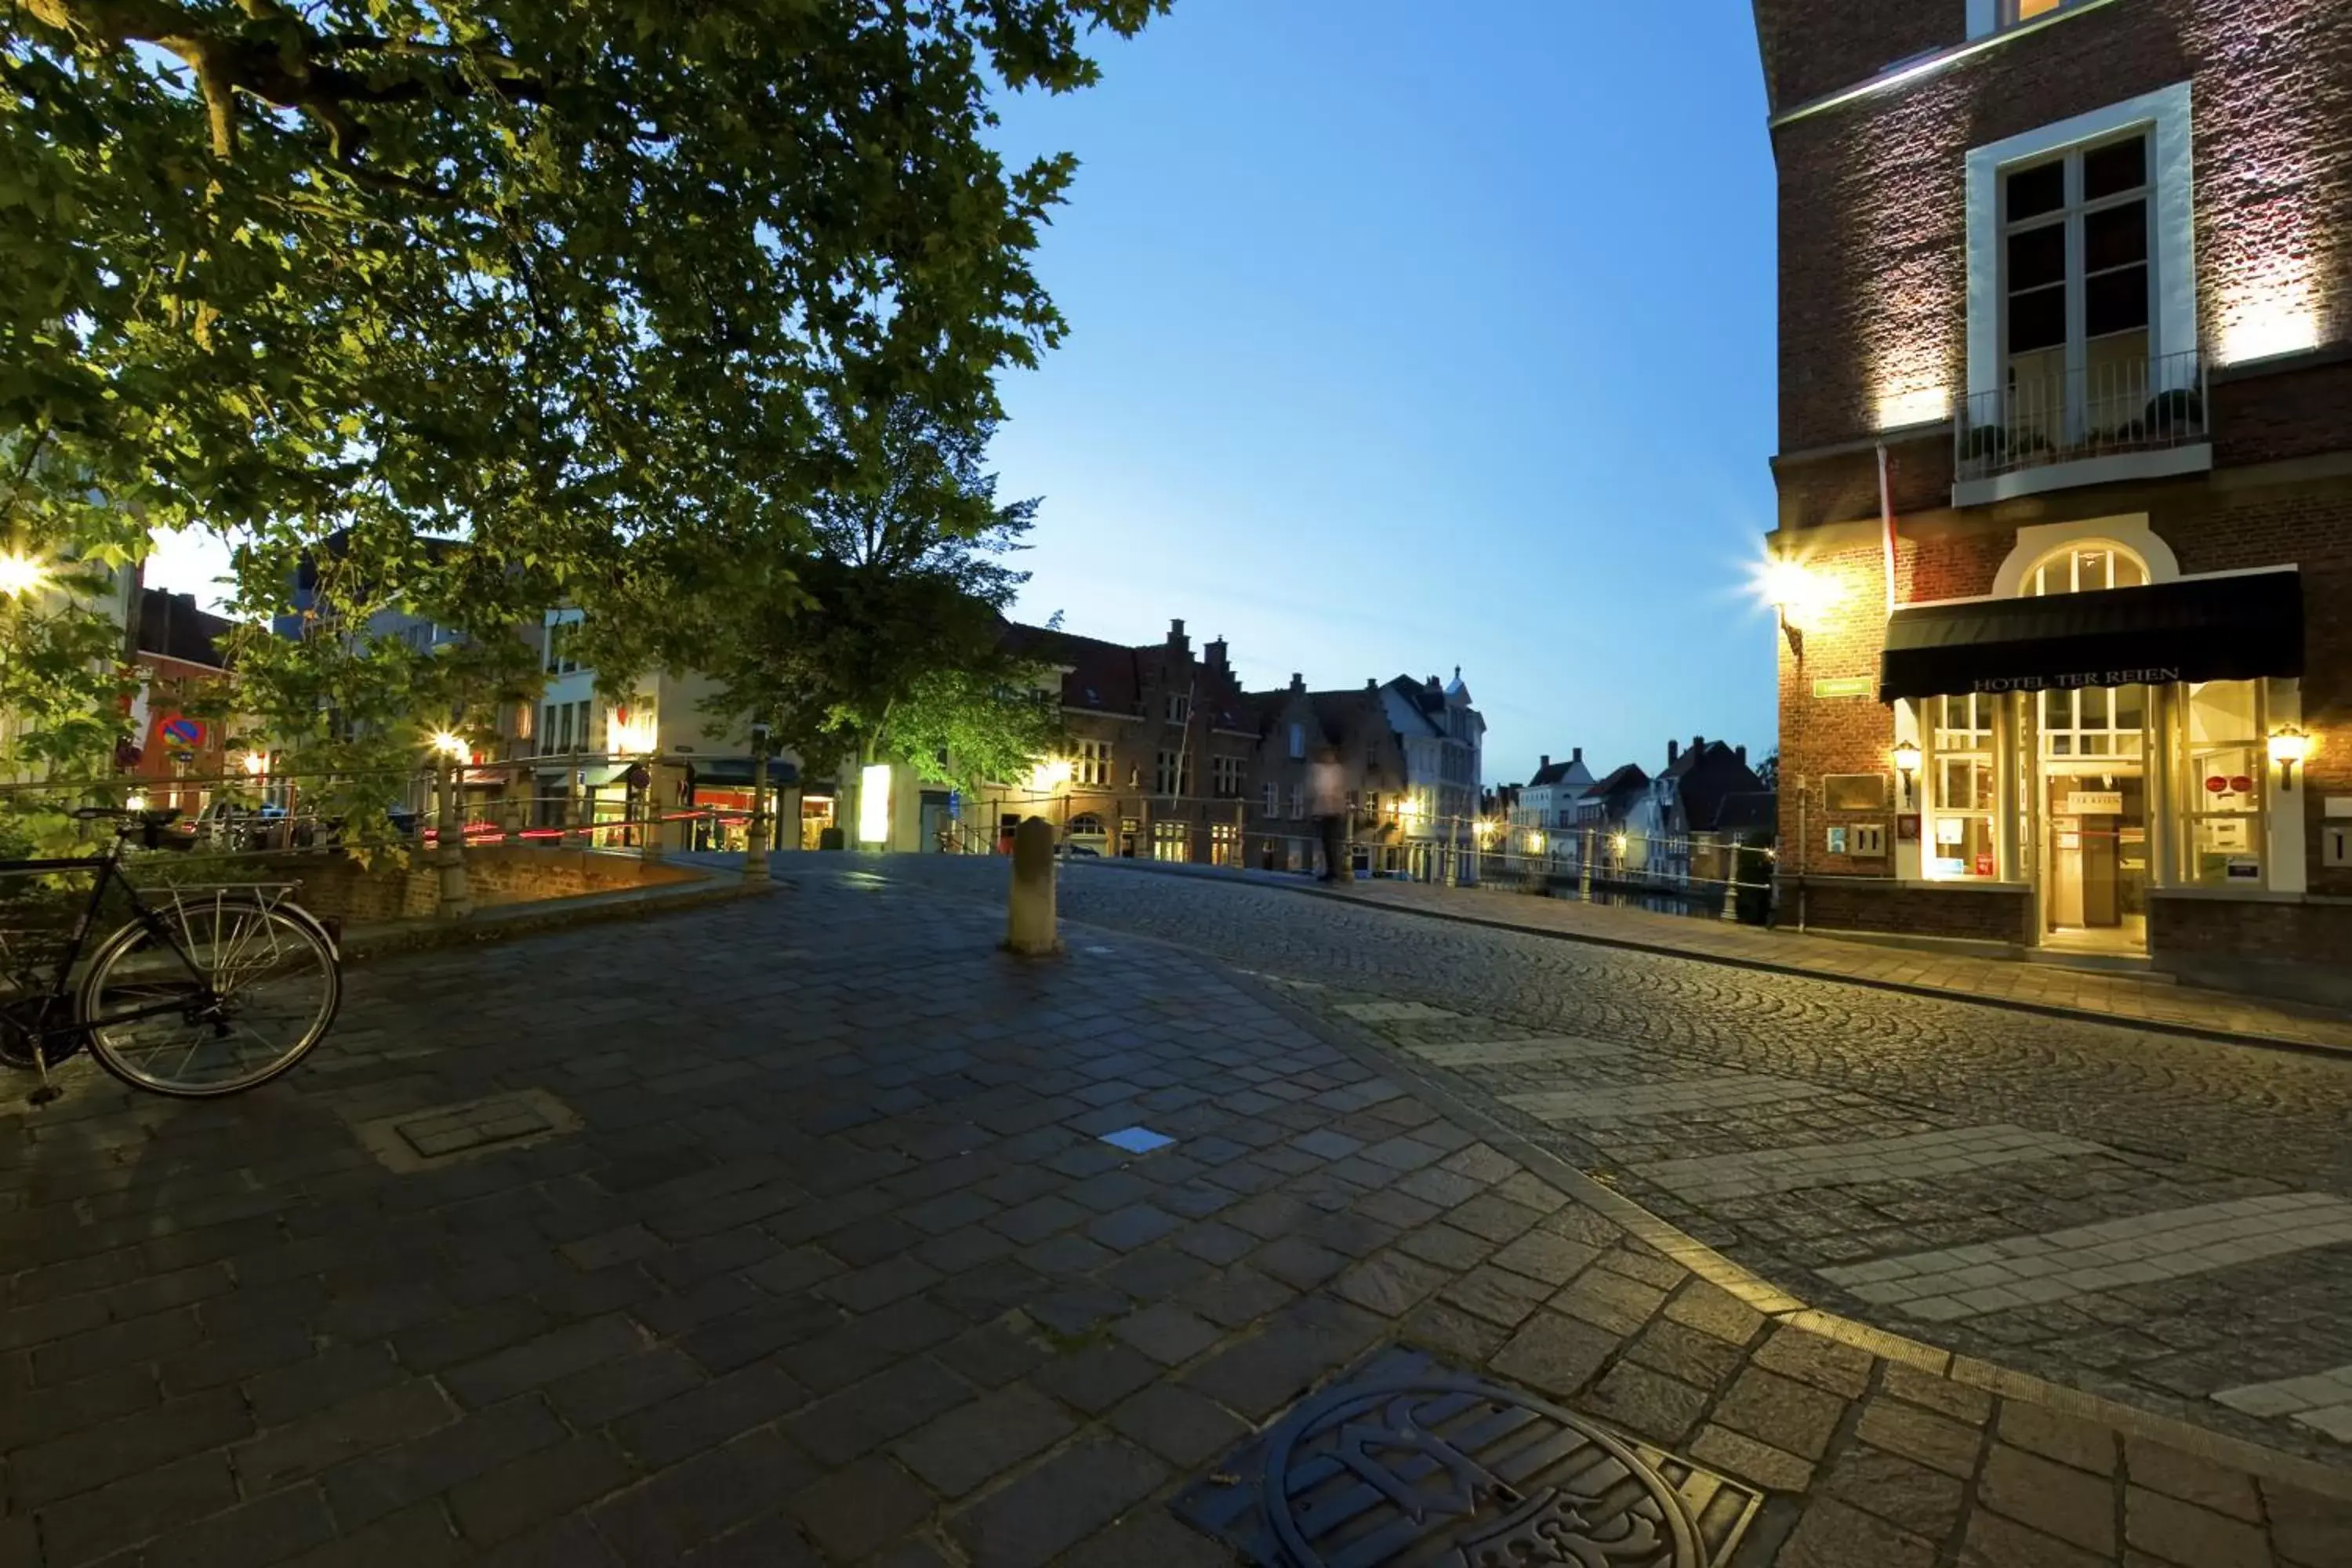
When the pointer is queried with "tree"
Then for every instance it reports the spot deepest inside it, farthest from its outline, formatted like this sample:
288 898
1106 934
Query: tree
886 639
1769 770
595 285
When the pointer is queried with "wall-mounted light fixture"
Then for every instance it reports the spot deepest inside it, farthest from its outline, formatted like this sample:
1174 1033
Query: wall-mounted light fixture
1907 774
2288 746
1797 594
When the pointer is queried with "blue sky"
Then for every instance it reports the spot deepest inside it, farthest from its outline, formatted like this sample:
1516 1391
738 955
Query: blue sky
1406 335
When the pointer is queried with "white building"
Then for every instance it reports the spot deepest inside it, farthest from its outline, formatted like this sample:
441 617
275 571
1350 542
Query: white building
1547 802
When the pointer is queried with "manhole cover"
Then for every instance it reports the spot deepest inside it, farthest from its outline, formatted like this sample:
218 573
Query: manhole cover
1407 1461
418 1140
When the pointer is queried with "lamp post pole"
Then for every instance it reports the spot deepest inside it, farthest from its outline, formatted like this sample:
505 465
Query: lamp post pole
755 837
456 900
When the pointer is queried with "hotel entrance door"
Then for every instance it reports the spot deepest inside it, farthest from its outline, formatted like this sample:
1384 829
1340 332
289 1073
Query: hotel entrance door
2092 792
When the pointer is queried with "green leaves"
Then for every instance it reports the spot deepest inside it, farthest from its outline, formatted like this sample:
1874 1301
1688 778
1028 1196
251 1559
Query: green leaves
602 287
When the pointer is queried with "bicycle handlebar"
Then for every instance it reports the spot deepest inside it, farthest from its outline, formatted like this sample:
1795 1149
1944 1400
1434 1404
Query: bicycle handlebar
123 814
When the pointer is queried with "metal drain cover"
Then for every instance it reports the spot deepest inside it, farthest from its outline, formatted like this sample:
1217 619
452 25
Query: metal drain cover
1407 1461
435 1135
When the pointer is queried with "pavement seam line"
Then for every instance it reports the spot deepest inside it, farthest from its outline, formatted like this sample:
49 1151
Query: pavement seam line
1765 966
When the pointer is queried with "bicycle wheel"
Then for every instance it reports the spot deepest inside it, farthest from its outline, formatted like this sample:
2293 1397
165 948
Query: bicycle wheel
236 996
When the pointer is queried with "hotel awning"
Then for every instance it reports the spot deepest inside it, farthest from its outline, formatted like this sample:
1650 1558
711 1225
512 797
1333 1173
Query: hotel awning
2234 628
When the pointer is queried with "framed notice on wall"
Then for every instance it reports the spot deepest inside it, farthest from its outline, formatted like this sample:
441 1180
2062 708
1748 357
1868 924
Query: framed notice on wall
1854 792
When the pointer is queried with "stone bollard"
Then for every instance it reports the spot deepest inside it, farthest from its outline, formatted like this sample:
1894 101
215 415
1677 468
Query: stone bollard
1029 926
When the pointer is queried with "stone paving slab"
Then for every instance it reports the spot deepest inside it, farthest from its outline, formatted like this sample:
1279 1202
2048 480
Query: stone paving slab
836 1267
1912 1157
1597 1107
1554 1048
1963 1282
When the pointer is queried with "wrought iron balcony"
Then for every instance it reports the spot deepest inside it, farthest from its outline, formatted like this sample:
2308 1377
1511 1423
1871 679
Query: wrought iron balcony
2097 411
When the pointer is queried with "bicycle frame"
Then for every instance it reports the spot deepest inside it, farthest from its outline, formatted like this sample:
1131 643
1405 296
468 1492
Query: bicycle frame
108 870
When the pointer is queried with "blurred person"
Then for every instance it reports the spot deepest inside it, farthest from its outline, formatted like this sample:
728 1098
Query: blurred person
1328 784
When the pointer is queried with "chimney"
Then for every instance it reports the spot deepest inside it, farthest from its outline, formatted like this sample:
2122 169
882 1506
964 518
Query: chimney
1370 684
1741 752
1673 750
1216 653
1576 755
1297 682
1698 743
1176 638
1546 762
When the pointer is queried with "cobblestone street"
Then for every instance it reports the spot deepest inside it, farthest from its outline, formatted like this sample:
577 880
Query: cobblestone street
813 1229
1827 1135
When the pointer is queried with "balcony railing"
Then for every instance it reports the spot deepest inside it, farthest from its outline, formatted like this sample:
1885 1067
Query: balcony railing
2101 410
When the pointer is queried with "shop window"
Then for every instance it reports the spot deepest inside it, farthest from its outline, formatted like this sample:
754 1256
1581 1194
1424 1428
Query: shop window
1225 845
2223 762
1172 841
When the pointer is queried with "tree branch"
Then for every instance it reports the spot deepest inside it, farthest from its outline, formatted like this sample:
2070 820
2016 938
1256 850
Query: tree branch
286 69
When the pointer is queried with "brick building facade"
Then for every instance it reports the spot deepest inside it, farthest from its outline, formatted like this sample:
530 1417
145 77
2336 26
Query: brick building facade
2065 533
1160 742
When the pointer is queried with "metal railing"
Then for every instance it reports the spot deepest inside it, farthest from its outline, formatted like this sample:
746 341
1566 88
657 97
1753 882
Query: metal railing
2097 410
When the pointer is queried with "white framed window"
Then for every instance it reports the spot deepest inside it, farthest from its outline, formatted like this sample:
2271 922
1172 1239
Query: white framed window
1090 764
1298 802
2223 763
560 660
2071 227
1273 800
2077 295
1299 740
1180 708
2092 721
1225 774
1225 844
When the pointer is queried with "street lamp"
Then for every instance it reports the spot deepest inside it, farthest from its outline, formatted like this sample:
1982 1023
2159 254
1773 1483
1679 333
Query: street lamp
450 744
2288 746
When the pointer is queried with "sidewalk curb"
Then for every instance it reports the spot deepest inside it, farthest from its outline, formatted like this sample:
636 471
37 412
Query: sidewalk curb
1765 966
1777 1304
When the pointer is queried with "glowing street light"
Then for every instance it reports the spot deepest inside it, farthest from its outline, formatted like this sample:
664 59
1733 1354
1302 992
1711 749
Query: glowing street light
449 743
257 764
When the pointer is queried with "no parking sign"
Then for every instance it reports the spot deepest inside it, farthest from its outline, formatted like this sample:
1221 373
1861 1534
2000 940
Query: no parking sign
180 732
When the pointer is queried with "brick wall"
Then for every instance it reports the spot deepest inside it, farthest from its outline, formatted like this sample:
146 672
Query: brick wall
1976 915
339 889
1873 206
1816 47
1840 641
2294 950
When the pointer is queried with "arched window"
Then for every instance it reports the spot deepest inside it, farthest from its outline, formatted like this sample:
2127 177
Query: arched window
2095 720
2085 566
1086 822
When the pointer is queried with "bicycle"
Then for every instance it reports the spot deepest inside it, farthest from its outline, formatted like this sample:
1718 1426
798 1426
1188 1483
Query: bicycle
214 991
